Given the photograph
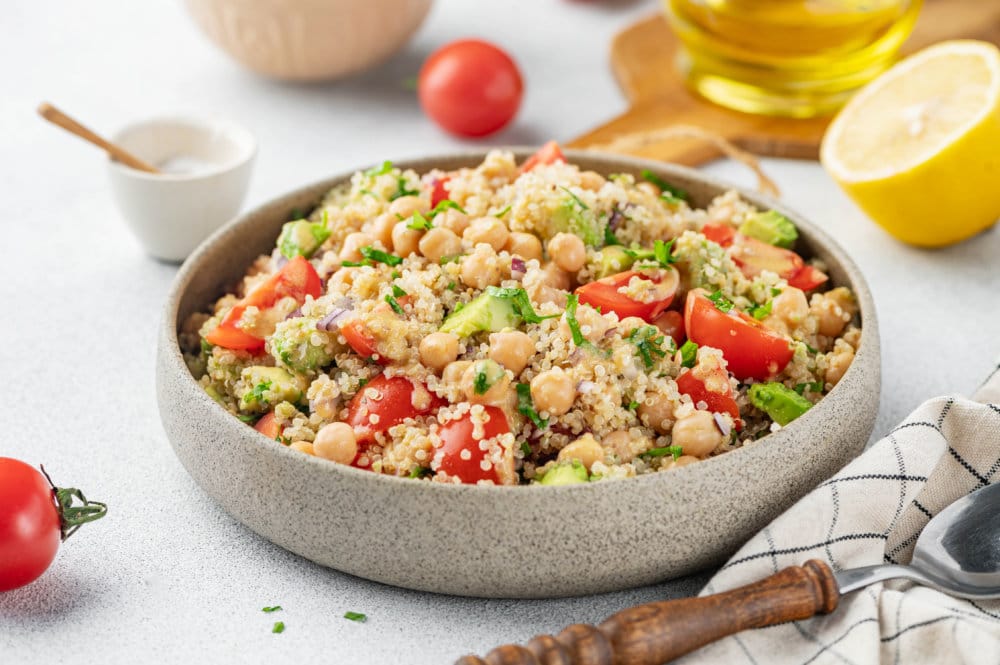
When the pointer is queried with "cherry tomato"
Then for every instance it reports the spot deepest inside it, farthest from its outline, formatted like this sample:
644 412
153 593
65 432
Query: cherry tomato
547 154
362 341
457 437
807 279
753 256
296 279
671 323
34 518
470 87
438 192
751 349
689 384
603 293
393 405
268 426
719 233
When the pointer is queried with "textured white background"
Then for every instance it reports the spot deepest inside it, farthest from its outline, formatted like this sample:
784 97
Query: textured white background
168 576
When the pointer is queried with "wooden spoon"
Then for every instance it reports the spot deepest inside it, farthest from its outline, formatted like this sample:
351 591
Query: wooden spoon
57 117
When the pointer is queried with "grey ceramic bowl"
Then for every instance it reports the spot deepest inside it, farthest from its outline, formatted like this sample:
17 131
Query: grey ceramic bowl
502 541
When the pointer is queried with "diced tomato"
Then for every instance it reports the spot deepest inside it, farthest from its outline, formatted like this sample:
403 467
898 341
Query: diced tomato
391 403
457 437
719 233
689 384
439 193
753 257
750 348
362 341
672 323
296 279
807 279
268 426
603 293
547 154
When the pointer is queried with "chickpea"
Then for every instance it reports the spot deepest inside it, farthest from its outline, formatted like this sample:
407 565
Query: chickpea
790 306
648 187
591 180
697 434
489 230
439 243
438 350
838 363
302 447
405 206
351 249
586 449
453 372
683 460
381 229
405 241
481 268
453 220
337 443
525 245
489 374
592 325
833 310
555 277
568 251
513 350
656 411
553 392
620 443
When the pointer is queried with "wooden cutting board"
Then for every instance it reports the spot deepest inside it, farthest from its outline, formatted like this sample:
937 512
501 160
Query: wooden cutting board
642 59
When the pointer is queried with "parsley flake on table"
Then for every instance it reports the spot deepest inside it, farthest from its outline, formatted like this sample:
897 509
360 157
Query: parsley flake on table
356 616
279 627
273 608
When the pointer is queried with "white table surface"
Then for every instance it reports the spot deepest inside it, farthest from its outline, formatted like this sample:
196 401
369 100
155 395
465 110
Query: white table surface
169 576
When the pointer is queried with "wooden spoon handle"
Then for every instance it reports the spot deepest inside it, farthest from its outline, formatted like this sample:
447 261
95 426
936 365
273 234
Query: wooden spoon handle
655 633
57 117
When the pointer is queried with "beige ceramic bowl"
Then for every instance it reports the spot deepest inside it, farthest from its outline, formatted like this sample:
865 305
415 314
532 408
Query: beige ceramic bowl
309 40
532 541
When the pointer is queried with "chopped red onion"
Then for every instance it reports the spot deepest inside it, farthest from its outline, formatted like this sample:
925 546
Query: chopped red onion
278 259
616 218
329 322
517 267
294 315
722 424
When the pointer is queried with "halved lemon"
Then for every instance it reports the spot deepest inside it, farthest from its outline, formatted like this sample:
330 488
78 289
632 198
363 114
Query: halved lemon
919 148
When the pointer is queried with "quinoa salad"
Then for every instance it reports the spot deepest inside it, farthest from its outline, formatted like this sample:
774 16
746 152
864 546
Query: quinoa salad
520 324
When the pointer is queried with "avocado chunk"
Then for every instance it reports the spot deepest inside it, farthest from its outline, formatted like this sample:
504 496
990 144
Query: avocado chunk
771 227
294 345
614 259
573 473
571 216
485 313
301 238
268 386
780 403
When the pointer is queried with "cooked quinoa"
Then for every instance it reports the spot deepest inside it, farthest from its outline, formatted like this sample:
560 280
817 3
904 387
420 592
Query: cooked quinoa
506 325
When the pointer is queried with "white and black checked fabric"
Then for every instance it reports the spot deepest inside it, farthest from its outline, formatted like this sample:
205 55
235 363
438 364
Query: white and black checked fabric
869 513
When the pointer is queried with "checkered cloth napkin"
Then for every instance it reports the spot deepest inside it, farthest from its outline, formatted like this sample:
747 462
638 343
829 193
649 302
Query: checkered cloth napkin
870 513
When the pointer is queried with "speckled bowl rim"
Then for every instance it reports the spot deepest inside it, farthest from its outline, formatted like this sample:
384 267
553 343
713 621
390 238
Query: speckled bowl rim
868 346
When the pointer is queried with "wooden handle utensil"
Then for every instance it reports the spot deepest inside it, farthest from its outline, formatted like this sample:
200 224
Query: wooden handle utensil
57 117
656 633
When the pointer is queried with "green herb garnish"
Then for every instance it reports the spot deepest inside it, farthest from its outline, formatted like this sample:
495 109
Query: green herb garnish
451 286
257 394
761 312
394 304
354 264
648 341
632 406
279 627
664 186
689 354
401 189
362 383
398 292
355 616
660 257
454 258
378 256
572 300
576 199
813 387
675 451
206 348
525 448
249 419
443 205
273 608
419 222
609 237
521 302
385 167
420 472
503 212
481 383
722 303
526 406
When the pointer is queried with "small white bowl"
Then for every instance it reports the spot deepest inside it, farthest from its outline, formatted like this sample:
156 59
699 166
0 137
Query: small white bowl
171 213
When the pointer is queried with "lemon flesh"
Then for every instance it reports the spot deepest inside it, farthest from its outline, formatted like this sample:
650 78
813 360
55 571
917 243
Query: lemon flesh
919 148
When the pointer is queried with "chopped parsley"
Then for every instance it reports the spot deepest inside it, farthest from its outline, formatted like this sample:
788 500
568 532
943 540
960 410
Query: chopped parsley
378 256
761 312
576 199
689 354
420 472
356 616
394 304
454 258
722 303
385 167
525 448
811 349
451 286
675 451
362 383
661 257
401 189
398 292
279 627
609 236
572 300
443 205
481 383
273 608
632 406
206 348
521 302
648 341
775 291
396 274
419 222
249 419
257 394
665 187
503 212
813 387
355 264
526 406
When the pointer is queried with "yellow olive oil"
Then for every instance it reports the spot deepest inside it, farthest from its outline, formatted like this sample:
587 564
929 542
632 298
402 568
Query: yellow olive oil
798 58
